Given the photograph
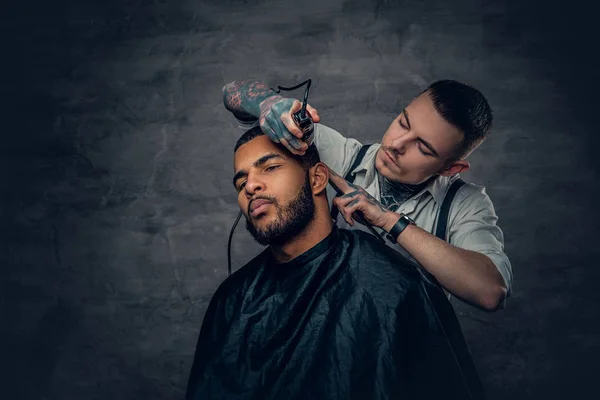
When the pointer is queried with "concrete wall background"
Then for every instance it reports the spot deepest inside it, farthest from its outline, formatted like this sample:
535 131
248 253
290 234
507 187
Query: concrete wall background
117 201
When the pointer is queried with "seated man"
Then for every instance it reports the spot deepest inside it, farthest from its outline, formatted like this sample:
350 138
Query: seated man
322 312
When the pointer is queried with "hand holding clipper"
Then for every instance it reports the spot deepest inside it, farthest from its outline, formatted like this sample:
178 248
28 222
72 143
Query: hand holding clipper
304 121
302 118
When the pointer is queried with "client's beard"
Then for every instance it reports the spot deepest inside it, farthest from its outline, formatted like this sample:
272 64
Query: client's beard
290 221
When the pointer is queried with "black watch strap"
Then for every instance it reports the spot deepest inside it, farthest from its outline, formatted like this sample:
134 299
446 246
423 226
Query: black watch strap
398 227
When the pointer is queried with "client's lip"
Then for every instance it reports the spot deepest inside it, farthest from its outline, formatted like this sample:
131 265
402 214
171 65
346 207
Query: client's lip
258 206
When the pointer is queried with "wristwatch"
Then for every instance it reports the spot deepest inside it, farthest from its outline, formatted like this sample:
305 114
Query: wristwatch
398 227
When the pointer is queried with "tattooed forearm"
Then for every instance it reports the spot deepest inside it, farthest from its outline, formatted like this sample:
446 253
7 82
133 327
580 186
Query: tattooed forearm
243 98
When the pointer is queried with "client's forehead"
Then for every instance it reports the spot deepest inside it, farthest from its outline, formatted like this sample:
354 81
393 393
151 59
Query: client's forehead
252 151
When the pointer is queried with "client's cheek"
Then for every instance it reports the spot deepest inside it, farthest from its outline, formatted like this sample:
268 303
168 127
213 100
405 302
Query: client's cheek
243 207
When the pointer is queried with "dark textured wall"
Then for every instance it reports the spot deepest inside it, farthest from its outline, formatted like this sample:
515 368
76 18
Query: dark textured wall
117 161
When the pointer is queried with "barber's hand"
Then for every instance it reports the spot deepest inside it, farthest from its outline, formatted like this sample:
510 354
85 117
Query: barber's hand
355 198
278 124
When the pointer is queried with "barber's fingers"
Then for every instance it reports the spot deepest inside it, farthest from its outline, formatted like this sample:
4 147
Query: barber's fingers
268 130
342 209
282 111
292 143
347 198
355 205
348 204
340 182
278 134
314 114
288 120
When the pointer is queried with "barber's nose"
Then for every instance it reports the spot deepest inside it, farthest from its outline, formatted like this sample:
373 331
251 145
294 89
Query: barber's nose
400 143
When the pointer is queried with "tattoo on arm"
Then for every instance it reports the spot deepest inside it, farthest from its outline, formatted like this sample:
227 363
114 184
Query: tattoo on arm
373 200
353 202
243 98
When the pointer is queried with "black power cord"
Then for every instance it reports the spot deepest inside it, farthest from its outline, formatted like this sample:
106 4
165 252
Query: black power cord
305 101
229 243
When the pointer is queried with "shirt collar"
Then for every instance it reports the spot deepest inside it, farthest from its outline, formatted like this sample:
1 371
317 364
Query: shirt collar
439 186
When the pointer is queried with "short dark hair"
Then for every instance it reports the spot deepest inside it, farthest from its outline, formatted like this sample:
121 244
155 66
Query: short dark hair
308 160
464 107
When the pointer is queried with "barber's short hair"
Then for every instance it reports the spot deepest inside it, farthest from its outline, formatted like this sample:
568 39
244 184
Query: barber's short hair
464 107
308 160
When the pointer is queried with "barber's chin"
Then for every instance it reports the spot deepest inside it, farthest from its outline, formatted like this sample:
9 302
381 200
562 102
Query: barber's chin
388 169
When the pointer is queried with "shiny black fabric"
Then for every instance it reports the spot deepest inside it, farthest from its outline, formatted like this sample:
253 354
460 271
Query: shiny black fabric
349 319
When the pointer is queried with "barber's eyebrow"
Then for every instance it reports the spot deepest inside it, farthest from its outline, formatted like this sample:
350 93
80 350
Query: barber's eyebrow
243 173
429 146
406 117
425 142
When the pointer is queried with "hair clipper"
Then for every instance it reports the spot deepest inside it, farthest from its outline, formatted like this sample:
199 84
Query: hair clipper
304 121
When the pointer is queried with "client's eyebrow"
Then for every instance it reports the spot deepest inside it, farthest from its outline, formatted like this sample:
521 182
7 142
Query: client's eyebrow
243 173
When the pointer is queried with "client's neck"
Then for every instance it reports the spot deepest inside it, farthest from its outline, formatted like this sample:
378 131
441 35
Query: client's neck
316 230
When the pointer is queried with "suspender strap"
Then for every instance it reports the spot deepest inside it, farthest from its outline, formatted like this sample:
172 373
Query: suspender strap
349 177
442 225
442 222
361 154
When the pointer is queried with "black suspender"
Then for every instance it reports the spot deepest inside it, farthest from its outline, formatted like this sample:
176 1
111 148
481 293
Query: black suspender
442 225
349 177
442 222
361 154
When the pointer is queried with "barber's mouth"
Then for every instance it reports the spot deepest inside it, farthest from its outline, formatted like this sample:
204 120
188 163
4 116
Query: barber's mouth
390 158
258 207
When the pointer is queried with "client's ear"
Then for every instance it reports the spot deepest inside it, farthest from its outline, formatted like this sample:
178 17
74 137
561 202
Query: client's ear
319 178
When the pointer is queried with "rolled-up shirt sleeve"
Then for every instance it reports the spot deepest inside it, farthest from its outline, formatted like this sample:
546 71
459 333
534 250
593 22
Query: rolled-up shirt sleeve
335 150
246 124
473 226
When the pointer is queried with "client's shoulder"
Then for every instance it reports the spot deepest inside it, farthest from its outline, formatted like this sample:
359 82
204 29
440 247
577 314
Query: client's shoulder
379 267
370 249
239 279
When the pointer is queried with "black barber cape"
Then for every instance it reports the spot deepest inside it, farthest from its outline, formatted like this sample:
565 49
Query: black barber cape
348 319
